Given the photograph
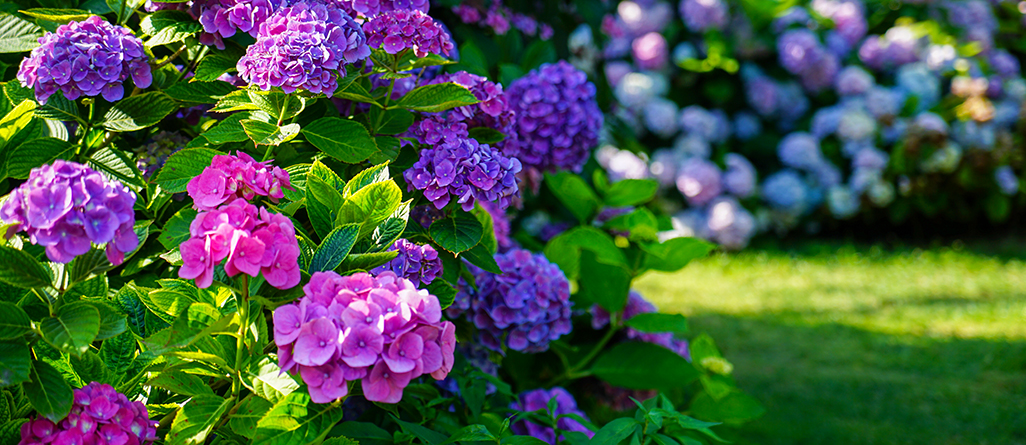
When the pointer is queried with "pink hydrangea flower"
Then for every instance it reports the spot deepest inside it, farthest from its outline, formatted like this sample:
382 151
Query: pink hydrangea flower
253 241
239 176
378 328
99 415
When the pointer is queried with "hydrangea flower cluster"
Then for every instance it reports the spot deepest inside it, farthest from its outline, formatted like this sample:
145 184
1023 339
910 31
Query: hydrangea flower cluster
802 54
305 45
400 30
250 240
151 157
371 8
240 176
558 119
703 15
456 166
529 303
380 329
501 18
417 263
87 58
67 207
492 112
99 414
538 399
636 304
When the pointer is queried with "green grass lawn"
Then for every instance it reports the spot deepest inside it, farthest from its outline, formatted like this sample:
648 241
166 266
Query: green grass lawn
847 345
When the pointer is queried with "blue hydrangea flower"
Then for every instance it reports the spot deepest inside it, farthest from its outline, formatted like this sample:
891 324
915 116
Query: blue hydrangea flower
740 177
747 125
417 263
800 150
1006 180
786 191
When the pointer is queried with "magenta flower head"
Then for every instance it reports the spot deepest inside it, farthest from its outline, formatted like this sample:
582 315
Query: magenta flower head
417 263
526 306
379 328
224 17
87 58
99 415
538 399
558 119
457 167
67 207
371 8
492 112
400 30
240 176
249 240
305 45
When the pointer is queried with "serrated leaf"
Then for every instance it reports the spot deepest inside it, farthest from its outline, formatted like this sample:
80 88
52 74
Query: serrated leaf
377 173
183 166
14 322
138 112
73 329
334 248
296 420
457 233
277 104
58 108
342 139
21 270
18 35
117 163
213 66
228 130
267 380
31 154
117 353
196 419
245 418
392 121
176 231
112 322
366 261
181 383
438 97
200 92
370 206
15 362
169 26
57 15
14 122
264 133
445 293
47 391
481 257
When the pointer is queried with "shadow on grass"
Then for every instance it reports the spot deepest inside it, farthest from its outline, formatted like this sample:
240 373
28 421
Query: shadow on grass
835 384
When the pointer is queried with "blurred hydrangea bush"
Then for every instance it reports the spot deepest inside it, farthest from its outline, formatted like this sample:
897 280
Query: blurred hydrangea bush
340 221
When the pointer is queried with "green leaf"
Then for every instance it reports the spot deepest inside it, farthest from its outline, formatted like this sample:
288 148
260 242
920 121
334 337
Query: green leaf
183 166
388 150
195 420
574 193
73 329
58 108
488 225
169 27
47 391
616 431
391 229
244 420
112 322
57 15
392 121
736 407
361 431
213 66
138 112
117 353
14 322
323 200
631 192
181 383
279 105
481 257
340 441
18 35
90 368
437 98
200 92
673 254
15 121
267 380
565 249
607 285
264 133
445 293
487 135
366 261
370 206
352 88
228 130
296 420
375 174
334 248
641 223
457 233
21 270
176 231
117 163
15 362
342 139
654 322
640 365
427 435
33 153
471 433
194 322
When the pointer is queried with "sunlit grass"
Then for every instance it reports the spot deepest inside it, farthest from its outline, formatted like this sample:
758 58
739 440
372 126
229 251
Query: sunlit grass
866 345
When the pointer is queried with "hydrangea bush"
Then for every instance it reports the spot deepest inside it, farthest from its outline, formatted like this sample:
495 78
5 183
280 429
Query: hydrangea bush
853 118
207 236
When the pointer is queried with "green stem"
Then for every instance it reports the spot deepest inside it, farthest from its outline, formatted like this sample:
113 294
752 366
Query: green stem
614 327
243 307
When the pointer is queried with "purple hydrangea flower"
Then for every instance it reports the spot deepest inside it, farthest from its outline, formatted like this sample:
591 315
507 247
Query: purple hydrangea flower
740 177
848 17
802 54
642 17
898 46
621 164
800 150
699 181
795 15
786 191
1006 180
417 263
660 116
730 224
558 118
760 90
1004 63
87 58
703 15
525 307
400 30
222 18
493 110
856 125
151 156
99 414
853 81
650 51
304 46
747 125
371 8
456 166
697 121
870 158
538 399
378 328
500 225
67 206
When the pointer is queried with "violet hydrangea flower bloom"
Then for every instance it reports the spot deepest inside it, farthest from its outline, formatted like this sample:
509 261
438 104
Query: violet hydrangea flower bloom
371 8
699 181
800 150
87 58
99 414
378 328
67 207
250 240
399 30
305 45
240 176
740 177
538 399
558 118
1006 180
528 304
417 263
493 110
703 15
456 166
